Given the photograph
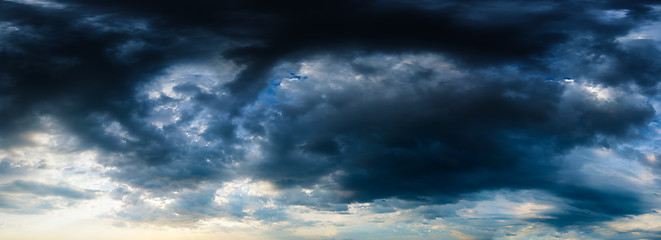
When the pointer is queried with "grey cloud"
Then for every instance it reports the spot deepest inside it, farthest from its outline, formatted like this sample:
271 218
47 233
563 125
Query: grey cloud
41 189
29 197
19 205
8 167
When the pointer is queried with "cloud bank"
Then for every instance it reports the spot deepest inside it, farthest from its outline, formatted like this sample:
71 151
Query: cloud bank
539 117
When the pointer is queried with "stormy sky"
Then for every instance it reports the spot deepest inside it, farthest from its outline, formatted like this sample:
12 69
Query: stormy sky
372 119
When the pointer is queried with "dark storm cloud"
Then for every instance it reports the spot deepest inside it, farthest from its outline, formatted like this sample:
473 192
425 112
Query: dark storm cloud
477 32
81 69
438 142
612 63
589 205
86 63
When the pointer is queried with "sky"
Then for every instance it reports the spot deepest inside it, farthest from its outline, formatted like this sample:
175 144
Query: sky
371 119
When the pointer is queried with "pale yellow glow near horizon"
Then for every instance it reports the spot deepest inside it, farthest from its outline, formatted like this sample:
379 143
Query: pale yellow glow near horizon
83 224
103 229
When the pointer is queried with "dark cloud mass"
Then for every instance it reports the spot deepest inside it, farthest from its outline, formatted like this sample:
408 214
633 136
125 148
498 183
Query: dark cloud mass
425 101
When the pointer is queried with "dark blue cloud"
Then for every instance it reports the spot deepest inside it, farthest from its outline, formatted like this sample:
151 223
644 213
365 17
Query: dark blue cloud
441 140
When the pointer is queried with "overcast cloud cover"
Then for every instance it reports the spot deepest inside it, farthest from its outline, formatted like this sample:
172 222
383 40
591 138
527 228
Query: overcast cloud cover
376 119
